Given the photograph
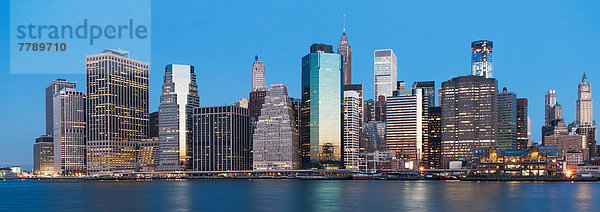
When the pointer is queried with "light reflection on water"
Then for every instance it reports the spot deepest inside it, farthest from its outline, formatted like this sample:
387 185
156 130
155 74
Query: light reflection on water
294 195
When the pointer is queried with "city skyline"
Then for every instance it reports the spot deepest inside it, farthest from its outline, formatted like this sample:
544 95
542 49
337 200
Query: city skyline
566 90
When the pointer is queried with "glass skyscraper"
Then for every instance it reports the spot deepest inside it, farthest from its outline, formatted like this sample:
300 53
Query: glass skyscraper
177 102
507 120
386 70
320 130
51 89
481 58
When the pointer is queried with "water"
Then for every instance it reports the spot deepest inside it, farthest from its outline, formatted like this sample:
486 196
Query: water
295 195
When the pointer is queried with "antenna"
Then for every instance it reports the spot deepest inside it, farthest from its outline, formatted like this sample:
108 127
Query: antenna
344 18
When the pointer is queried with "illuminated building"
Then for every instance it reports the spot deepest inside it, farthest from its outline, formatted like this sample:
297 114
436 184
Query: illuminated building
221 139
481 58
522 124
258 75
375 135
507 120
358 88
572 159
585 123
429 89
406 126
569 143
148 152
346 52
43 155
351 129
69 132
276 139
117 109
243 102
321 108
386 70
533 161
52 88
177 102
469 116
433 149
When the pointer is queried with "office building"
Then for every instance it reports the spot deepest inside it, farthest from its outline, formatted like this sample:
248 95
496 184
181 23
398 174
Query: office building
433 149
522 124
43 155
148 153
346 52
429 89
386 71
554 123
69 132
481 58
358 88
321 127
375 135
117 109
52 88
221 139
153 125
469 116
276 144
258 75
507 120
177 102
569 143
351 129
369 111
585 115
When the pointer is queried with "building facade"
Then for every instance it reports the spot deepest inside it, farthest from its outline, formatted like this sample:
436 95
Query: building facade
221 139
148 153
522 124
153 125
533 161
585 115
386 70
43 155
52 88
276 142
258 75
481 58
569 143
177 102
507 120
346 52
469 116
321 108
433 150
351 129
117 110
429 89
69 132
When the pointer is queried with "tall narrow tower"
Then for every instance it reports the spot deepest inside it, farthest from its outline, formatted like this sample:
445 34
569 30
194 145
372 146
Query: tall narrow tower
481 58
584 102
258 75
386 69
346 52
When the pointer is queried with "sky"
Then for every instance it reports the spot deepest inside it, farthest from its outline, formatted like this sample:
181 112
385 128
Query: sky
538 46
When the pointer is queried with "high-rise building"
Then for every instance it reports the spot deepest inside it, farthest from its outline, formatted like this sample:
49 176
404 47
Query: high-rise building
69 132
554 123
481 58
585 123
177 102
295 104
43 155
117 109
375 135
148 152
469 116
52 88
433 150
406 125
386 71
429 89
153 125
321 108
351 129
507 120
276 144
550 101
221 140
380 108
522 124
258 75
257 99
346 52
369 111
359 89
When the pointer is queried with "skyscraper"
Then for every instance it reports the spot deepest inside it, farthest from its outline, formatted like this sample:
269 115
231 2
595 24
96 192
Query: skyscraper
375 135
258 75
276 143
554 123
481 58
469 116
69 132
153 125
221 139
43 155
550 101
507 120
361 93
320 130
117 109
351 129
346 52
386 71
257 99
433 150
522 124
52 88
585 119
429 89
406 125
177 102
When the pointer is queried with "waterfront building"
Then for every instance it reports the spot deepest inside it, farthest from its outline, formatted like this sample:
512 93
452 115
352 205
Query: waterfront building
568 143
69 132
469 116
433 150
585 123
177 102
276 144
481 58
53 88
406 126
429 89
572 159
43 155
351 129
386 70
148 153
507 120
117 110
533 161
523 133
346 52
221 139
321 127
258 75
358 88
153 125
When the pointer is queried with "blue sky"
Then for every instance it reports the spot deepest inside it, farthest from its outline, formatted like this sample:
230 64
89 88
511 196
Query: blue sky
538 45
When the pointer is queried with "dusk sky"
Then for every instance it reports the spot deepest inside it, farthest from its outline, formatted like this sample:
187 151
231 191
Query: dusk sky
538 45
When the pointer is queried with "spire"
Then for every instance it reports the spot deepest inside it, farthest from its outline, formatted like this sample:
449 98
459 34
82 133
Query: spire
344 26
256 58
584 79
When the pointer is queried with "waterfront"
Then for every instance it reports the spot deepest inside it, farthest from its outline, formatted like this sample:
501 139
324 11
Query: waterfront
296 195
